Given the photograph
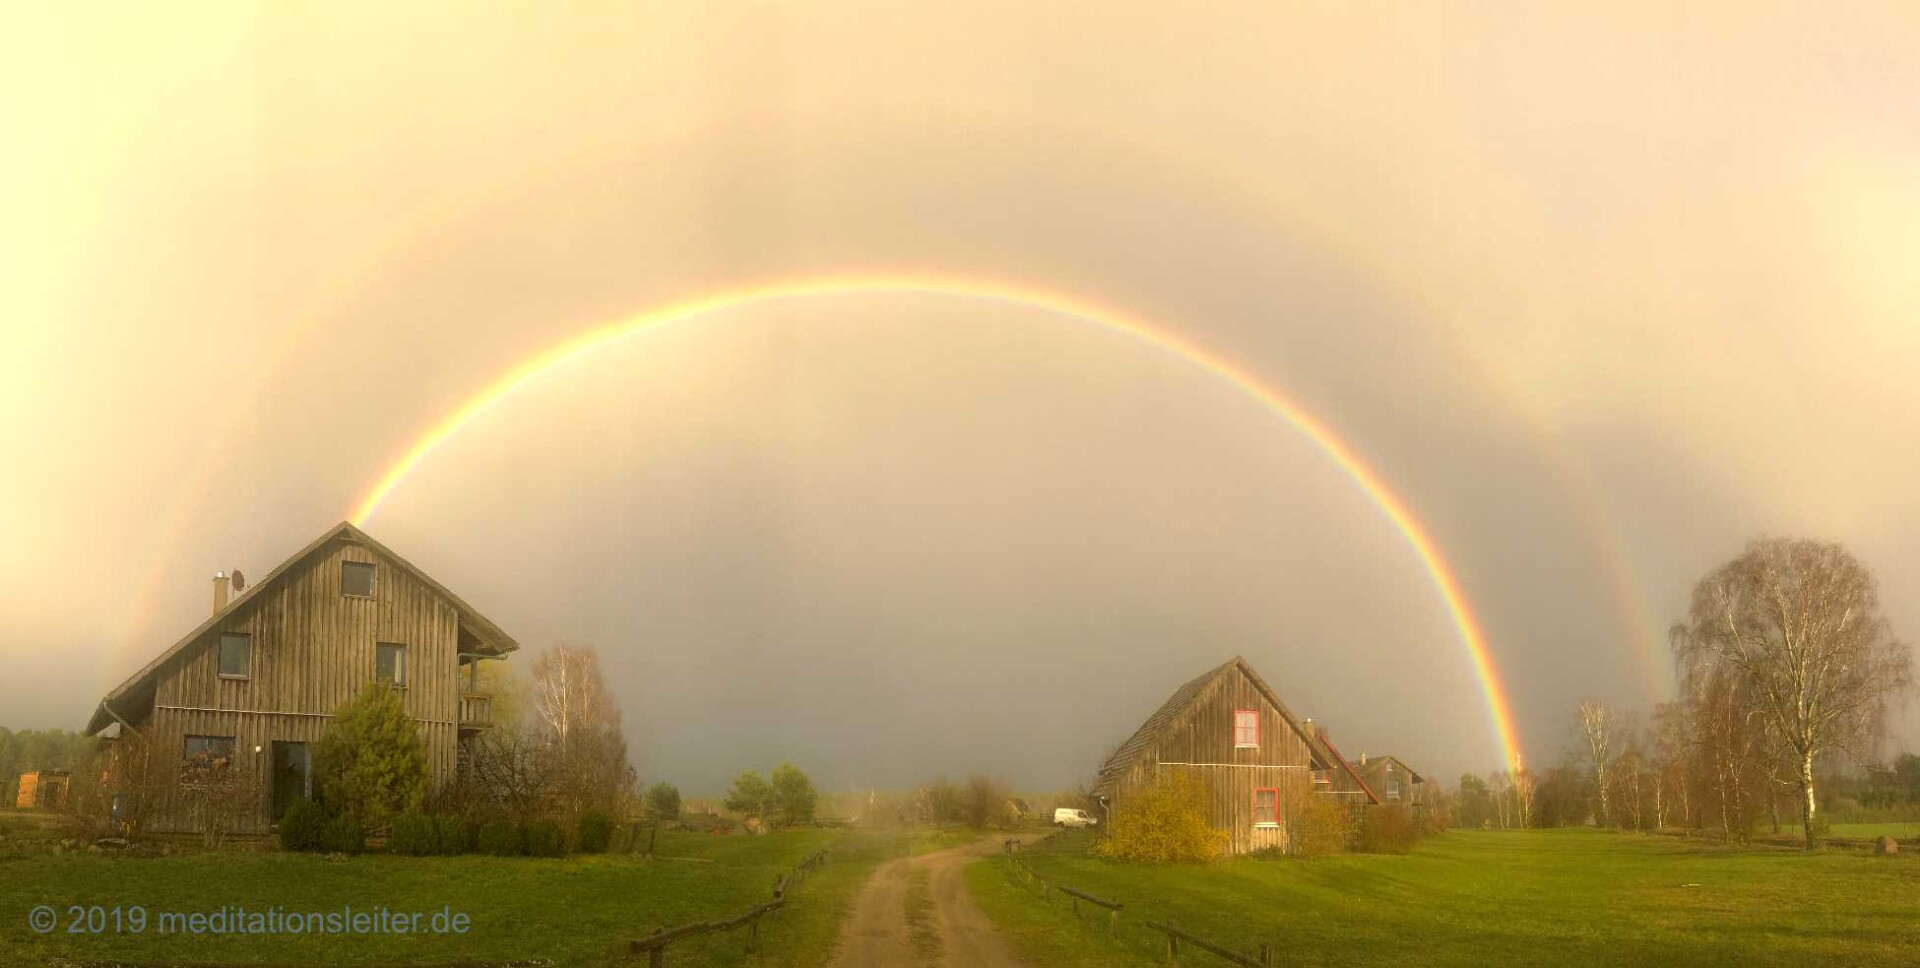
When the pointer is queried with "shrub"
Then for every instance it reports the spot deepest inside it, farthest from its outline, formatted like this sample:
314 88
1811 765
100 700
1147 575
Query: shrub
1387 829
1164 823
500 838
303 827
544 839
415 835
343 835
370 762
663 801
593 832
1321 826
451 834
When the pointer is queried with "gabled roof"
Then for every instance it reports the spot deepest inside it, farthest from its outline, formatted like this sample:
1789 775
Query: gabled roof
1404 768
1325 756
144 680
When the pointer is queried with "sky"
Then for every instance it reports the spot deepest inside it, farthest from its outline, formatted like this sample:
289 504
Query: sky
1599 293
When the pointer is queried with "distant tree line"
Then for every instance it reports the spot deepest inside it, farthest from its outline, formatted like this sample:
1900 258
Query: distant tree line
1787 668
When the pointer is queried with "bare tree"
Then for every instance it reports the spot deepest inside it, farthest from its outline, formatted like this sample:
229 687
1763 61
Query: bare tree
1598 727
1797 625
1525 787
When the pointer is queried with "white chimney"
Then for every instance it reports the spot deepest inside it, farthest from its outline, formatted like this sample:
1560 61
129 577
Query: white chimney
219 591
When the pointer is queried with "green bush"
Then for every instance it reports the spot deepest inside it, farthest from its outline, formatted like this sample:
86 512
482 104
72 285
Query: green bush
414 835
1164 823
343 835
594 831
1321 826
544 839
1387 829
303 827
500 838
451 834
370 762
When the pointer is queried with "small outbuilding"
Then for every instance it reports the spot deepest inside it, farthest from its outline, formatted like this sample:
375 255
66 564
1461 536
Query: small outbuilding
1393 780
43 790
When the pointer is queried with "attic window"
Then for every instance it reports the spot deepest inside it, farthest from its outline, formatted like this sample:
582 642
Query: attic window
1246 728
236 655
356 579
1266 807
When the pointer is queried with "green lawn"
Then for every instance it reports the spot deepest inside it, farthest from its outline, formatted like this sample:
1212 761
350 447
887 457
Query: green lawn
1484 898
577 911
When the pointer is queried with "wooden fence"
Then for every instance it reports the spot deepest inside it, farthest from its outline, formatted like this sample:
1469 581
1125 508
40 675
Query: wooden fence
1024 873
654 946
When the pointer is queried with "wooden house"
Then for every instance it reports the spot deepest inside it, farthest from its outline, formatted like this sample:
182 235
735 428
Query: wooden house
1393 780
1230 730
42 790
255 685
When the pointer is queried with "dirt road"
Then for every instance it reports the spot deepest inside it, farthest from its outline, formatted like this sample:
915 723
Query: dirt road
879 934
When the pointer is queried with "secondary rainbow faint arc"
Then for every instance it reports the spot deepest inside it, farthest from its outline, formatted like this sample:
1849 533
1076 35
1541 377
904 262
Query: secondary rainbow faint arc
1058 303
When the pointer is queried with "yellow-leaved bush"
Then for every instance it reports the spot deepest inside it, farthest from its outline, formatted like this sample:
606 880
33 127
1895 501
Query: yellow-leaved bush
1164 823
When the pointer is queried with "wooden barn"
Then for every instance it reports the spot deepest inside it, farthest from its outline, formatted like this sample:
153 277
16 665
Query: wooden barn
255 685
1393 780
42 790
1230 730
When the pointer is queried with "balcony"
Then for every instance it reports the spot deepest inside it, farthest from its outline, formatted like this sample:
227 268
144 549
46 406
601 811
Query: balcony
476 711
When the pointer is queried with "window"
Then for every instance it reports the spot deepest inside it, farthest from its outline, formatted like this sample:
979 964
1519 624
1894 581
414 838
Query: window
390 663
1266 807
1393 789
1246 728
206 753
356 579
1323 777
236 655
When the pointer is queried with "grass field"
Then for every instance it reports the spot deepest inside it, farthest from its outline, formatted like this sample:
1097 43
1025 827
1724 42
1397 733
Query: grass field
1484 898
577 911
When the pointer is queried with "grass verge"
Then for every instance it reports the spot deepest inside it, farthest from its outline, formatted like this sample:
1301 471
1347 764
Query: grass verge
1483 898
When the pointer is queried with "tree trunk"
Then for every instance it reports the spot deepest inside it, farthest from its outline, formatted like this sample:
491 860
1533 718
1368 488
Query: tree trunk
1806 791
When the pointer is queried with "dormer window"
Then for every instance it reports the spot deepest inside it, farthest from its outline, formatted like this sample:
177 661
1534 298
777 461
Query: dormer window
356 579
1246 729
236 655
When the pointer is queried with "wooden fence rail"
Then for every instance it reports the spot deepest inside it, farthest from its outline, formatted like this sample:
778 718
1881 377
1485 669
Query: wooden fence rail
654 946
1113 908
1175 936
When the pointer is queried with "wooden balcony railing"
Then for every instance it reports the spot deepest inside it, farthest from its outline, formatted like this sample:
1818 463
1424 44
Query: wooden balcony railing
476 710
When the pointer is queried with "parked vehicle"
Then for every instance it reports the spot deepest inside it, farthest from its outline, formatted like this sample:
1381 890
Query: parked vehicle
1073 817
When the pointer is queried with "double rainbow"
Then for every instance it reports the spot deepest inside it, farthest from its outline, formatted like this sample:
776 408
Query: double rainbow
1065 305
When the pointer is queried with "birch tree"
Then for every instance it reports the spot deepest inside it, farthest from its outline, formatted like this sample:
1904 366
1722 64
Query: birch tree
1598 727
1796 625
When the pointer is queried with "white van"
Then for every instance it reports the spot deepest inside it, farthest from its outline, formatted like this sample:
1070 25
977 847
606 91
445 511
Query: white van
1073 817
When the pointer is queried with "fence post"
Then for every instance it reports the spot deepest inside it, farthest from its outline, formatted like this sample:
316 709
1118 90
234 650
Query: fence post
1113 924
1266 954
1076 906
1173 949
753 935
657 958
651 838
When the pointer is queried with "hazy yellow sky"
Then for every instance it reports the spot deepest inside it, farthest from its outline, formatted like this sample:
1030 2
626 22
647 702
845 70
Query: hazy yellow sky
1629 280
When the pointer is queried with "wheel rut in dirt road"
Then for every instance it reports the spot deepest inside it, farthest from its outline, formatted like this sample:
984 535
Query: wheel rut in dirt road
946 927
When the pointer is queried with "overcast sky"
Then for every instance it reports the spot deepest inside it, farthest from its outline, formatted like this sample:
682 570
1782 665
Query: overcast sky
1600 295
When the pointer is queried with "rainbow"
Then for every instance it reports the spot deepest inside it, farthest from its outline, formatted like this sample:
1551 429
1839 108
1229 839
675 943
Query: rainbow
1062 304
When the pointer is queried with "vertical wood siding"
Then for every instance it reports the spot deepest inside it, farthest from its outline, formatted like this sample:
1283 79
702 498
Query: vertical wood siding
312 650
1200 743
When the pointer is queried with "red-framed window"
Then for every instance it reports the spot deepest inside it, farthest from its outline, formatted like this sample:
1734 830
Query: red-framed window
1266 806
1246 727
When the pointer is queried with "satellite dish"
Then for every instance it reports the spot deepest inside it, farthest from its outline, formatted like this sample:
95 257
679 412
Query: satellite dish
239 580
